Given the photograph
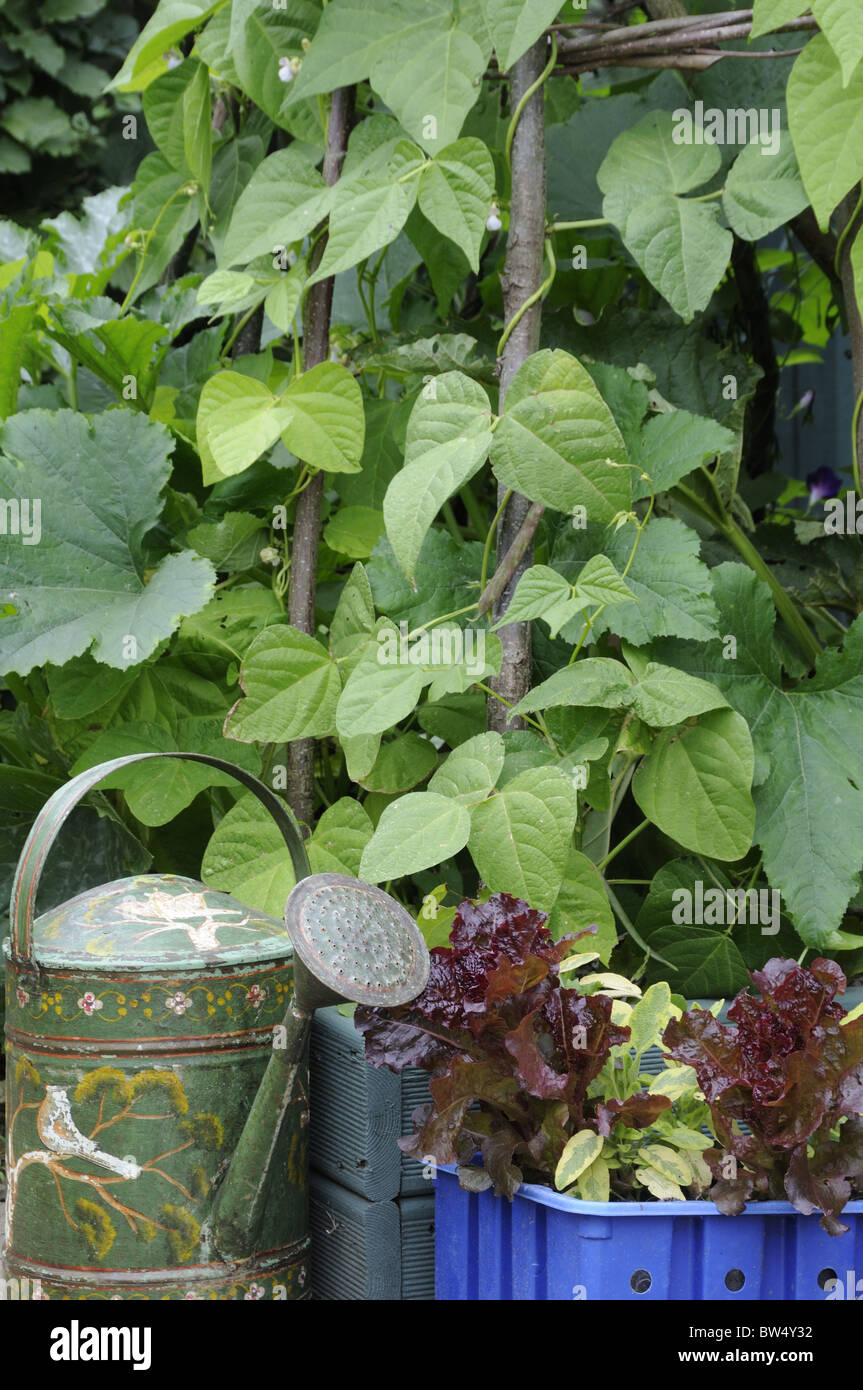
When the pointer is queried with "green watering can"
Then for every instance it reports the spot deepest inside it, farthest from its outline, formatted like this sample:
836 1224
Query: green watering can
157 1075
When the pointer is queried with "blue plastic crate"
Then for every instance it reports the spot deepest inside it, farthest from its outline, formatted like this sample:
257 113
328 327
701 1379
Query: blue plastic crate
545 1246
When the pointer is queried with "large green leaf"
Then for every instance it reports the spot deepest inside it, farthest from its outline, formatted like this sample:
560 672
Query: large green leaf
197 132
695 785
378 693
238 419
291 687
455 194
163 112
246 856
520 836
423 62
809 746
597 681
234 163
516 24
447 442
164 210
13 345
284 199
840 21
369 209
661 695
678 242
415 832
674 443
90 582
705 962
339 838
230 621
177 110
431 82
402 763
556 437
763 192
471 770
119 350
347 45
599 582
319 416
826 121
542 593
232 544
158 791
671 584
354 531
326 428
259 37
769 14
582 902
172 20
665 696
447 576
353 621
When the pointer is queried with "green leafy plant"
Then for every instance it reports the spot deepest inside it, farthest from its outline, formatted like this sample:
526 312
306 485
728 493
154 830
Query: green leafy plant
444 500
624 1156
58 127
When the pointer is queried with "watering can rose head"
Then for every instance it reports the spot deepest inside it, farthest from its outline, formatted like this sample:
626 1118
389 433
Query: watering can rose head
511 1049
790 1070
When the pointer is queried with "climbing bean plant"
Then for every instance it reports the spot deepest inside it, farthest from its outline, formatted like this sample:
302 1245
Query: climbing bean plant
683 766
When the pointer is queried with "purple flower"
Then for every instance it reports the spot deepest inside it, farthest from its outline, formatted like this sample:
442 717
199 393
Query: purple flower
822 482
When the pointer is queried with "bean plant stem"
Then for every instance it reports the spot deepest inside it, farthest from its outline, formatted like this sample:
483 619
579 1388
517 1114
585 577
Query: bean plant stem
520 280
307 526
486 554
525 98
627 839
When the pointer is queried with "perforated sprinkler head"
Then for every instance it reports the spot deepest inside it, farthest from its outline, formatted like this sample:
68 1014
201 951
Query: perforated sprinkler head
353 942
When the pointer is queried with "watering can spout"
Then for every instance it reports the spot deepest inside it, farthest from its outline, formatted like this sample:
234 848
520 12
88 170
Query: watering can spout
352 943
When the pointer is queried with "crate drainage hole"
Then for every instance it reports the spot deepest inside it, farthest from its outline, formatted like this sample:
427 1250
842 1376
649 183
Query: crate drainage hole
825 1277
640 1281
734 1280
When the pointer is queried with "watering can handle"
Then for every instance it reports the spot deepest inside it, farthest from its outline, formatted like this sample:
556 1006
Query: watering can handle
64 800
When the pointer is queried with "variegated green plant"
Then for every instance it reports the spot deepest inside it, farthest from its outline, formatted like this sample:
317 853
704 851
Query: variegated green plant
661 1158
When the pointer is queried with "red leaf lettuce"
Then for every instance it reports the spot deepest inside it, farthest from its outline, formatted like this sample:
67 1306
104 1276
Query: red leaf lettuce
511 1050
792 1073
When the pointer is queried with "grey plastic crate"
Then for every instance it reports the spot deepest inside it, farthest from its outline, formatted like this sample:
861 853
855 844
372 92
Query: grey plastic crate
416 1220
358 1113
370 1251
